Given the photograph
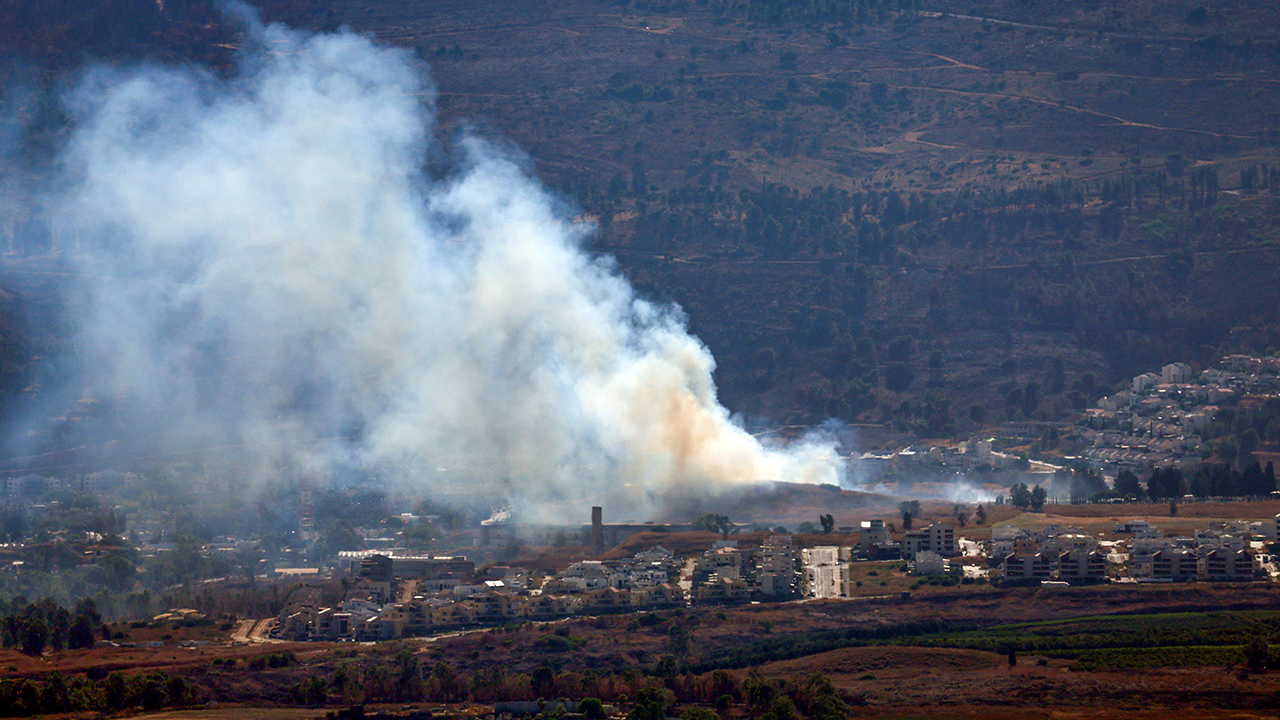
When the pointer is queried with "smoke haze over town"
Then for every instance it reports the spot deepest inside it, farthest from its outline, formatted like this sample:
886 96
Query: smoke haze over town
265 267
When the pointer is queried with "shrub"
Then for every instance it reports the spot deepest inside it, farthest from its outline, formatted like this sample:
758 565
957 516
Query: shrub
591 708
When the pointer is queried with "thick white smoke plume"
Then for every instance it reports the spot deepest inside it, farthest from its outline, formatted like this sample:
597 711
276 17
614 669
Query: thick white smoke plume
276 268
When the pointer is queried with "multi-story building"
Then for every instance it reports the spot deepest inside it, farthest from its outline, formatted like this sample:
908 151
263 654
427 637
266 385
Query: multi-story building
776 573
873 533
723 556
1177 372
939 538
1173 565
722 591
1022 567
1079 566
1222 565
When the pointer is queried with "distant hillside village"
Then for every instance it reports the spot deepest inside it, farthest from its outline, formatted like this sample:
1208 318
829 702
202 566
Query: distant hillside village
1174 420
393 595
1162 419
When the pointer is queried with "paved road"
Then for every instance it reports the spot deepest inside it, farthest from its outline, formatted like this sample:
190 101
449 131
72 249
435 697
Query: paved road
254 631
243 628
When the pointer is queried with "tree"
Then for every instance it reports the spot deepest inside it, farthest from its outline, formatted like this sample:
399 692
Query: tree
1085 483
1248 441
651 704
1164 483
980 515
828 523
716 523
121 570
58 620
1038 496
543 681
1257 654
899 376
678 640
311 691
247 560
409 683
339 536
909 509
89 608
978 414
56 695
1250 481
782 708
81 635
820 701
446 685
591 708
33 634
1020 496
1127 485
758 692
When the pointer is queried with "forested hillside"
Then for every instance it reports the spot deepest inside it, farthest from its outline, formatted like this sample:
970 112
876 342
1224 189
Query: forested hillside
928 216
933 216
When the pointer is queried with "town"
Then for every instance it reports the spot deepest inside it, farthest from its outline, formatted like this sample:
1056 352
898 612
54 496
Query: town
412 568
393 594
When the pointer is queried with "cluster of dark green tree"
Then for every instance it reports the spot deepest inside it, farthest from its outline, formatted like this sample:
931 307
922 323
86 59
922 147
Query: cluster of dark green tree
779 221
1236 432
1208 480
1024 498
1085 484
1080 483
1264 176
59 694
909 510
657 692
714 522
818 12
35 627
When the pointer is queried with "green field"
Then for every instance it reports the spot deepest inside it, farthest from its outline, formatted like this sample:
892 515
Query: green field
1095 643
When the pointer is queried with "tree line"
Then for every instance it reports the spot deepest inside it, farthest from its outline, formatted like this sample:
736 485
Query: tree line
1208 480
1162 483
652 693
34 627
56 693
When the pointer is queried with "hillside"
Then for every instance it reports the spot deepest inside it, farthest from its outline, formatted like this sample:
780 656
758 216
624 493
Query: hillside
920 217
929 220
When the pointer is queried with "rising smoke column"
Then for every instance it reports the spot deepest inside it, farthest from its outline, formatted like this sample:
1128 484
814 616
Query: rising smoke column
273 267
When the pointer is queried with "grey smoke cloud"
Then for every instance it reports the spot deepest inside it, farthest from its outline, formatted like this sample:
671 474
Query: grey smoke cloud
281 270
